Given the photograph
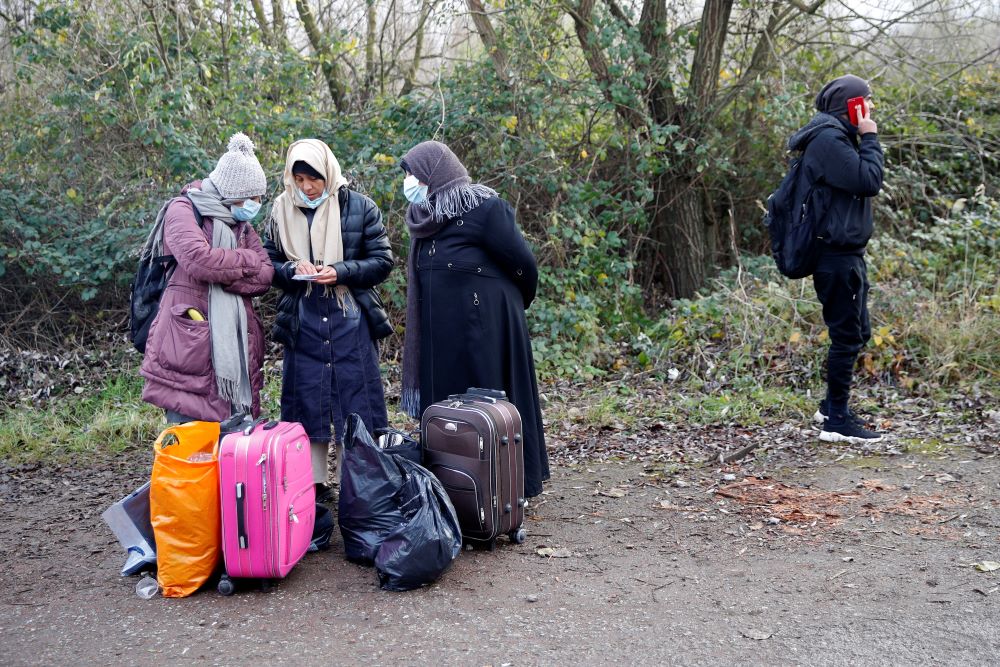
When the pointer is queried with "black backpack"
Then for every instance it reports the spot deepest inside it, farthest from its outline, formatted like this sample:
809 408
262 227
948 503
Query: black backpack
793 220
151 278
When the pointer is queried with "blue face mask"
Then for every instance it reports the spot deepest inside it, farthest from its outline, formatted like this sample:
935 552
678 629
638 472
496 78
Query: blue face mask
313 203
413 191
248 211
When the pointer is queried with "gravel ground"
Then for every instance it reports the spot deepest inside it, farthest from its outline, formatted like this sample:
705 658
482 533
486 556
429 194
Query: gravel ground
794 555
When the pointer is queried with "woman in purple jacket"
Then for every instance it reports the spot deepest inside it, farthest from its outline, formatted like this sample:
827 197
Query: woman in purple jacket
206 346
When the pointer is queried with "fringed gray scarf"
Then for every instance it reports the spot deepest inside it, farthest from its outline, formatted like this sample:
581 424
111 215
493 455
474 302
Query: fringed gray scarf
227 317
450 194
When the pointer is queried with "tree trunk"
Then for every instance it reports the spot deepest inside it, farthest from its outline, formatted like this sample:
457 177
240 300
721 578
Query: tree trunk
679 259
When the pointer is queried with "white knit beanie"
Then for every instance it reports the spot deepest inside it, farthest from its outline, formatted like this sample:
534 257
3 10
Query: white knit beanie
238 174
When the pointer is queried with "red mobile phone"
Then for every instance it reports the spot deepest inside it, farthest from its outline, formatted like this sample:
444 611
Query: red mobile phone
853 110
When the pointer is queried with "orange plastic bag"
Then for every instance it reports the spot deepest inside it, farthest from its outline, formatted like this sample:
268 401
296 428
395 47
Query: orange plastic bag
184 507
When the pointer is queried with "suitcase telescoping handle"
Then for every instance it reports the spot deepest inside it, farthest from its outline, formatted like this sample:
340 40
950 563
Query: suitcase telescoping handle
492 393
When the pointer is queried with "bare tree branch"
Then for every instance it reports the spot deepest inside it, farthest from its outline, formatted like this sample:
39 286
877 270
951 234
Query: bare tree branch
489 36
418 36
328 63
160 46
278 29
708 52
261 18
598 62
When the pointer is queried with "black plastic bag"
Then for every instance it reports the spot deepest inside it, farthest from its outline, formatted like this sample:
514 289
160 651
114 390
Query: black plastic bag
369 481
421 548
393 441
322 529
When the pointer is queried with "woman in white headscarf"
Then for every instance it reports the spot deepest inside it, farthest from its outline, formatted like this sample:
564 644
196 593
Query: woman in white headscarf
329 250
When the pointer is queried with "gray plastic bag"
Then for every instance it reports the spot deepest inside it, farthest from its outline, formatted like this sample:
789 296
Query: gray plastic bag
129 521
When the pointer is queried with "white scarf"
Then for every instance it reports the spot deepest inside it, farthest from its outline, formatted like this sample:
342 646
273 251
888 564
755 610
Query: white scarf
288 227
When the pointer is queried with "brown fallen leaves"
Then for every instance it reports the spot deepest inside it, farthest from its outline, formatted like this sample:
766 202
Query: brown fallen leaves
791 504
798 507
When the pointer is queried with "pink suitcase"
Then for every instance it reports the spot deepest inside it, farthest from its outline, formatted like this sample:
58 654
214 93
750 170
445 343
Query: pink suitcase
268 500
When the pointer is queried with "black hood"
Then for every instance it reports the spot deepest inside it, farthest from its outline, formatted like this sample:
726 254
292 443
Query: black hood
833 98
820 121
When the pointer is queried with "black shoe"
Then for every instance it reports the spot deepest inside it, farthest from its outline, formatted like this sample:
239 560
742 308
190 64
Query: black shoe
324 494
846 429
822 414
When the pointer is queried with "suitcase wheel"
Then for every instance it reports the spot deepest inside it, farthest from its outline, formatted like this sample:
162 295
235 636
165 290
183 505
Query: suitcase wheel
226 586
518 536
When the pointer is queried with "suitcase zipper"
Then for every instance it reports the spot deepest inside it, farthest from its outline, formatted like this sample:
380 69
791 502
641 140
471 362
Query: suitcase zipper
263 479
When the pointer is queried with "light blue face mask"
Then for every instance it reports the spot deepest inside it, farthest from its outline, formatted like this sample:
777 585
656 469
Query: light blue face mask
413 191
248 211
313 203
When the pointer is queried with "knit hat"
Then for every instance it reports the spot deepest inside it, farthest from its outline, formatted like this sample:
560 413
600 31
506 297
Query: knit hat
304 168
833 98
238 174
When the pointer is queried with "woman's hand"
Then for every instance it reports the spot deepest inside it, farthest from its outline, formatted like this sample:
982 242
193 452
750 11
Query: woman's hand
327 275
304 268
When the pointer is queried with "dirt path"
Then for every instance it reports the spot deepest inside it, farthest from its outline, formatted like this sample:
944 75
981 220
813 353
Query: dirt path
785 561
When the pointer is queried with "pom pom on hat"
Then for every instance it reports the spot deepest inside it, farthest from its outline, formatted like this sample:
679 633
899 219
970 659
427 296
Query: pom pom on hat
238 174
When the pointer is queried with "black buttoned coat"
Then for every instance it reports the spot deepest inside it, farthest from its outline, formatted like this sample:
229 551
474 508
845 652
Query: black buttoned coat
476 277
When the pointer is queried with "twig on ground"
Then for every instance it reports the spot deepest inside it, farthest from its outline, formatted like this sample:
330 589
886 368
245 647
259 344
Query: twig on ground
743 452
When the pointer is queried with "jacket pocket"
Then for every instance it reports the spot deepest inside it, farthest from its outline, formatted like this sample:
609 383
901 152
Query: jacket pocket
185 345
471 267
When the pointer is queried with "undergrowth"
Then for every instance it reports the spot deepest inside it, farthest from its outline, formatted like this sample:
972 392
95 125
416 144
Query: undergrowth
751 349
110 420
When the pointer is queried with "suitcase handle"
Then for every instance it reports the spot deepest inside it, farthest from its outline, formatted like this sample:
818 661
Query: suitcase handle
472 397
241 523
256 422
232 424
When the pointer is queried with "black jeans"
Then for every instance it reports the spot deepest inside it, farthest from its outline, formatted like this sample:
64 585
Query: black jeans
841 283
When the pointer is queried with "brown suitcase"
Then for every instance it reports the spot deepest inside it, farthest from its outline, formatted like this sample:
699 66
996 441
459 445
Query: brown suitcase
472 444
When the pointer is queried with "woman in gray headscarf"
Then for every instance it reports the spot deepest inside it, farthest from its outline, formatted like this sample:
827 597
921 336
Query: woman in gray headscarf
470 278
205 348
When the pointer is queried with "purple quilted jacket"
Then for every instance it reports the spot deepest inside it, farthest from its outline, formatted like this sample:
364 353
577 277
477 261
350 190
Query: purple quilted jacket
178 361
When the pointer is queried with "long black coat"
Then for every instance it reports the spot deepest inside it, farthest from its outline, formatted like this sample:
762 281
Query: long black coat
367 262
476 278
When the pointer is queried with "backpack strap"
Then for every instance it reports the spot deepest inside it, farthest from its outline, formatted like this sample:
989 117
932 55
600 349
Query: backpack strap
199 218
169 259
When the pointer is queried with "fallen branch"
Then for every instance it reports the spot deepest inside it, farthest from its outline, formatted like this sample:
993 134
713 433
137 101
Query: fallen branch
743 452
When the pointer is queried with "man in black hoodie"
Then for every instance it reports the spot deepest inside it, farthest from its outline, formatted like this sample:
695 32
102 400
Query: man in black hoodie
844 163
